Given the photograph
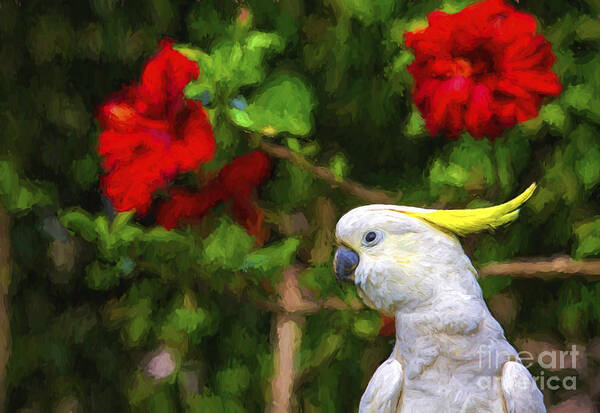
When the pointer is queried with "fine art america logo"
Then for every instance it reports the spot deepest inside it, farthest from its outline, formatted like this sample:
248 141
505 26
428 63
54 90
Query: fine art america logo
551 360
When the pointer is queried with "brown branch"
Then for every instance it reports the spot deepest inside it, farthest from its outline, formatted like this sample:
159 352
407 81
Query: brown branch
294 300
287 333
545 268
5 340
375 196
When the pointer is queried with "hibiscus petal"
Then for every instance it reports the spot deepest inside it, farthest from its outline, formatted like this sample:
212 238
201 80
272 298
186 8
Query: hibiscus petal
424 90
514 26
448 106
545 83
479 112
528 53
123 147
244 173
187 207
163 80
510 90
131 186
251 217
195 142
526 109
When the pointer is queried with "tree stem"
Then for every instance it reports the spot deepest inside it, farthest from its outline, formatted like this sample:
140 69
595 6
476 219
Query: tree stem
374 196
286 335
545 268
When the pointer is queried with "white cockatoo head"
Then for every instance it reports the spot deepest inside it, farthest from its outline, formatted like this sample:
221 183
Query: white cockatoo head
401 257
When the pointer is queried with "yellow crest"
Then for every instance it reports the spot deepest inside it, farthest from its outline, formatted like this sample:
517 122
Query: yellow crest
468 221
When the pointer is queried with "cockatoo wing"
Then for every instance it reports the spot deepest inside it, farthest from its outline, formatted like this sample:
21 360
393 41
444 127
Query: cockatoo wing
384 389
521 393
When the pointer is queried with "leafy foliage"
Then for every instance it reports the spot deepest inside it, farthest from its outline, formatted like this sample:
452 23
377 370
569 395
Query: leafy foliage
328 80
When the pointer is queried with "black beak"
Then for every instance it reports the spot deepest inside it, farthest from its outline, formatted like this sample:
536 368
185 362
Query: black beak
345 262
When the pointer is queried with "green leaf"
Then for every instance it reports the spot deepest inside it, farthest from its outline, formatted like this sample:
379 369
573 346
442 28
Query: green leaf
232 64
415 125
493 284
369 11
162 402
101 277
367 325
9 179
588 167
588 29
292 186
256 41
227 246
328 346
240 117
214 404
578 97
339 166
189 320
588 239
275 256
233 381
140 323
19 195
120 220
293 144
159 246
469 165
85 171
283 104
554 115
451 174
141 389
320 280
80 222
122 230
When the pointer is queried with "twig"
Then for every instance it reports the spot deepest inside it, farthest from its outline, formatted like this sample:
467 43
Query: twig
545 268
374 196
5 340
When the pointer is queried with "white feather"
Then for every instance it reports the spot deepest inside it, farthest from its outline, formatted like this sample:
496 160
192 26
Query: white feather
383 391
520 390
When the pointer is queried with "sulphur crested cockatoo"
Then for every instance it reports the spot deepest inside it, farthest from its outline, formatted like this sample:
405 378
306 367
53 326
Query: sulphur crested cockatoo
450 354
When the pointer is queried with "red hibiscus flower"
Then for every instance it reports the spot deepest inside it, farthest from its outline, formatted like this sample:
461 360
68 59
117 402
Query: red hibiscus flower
235 183
151 132
481 70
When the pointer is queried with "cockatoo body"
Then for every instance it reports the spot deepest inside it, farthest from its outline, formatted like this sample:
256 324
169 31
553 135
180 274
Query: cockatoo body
450 354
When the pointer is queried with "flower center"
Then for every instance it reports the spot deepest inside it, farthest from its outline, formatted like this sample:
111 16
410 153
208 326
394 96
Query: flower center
462 67
476 63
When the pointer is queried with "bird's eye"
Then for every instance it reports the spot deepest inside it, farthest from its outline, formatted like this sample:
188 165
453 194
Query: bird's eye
372 238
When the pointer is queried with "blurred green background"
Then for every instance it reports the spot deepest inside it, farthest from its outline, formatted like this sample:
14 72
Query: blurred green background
93 298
